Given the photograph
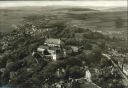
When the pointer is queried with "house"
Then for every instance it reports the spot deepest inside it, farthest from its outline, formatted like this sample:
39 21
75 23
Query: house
42 48
48 51
52 48
53 42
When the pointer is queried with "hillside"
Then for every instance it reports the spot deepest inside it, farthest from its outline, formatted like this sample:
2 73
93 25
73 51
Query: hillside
10 17
65 47
117 9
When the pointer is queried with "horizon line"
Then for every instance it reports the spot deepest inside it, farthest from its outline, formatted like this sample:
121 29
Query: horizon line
64 3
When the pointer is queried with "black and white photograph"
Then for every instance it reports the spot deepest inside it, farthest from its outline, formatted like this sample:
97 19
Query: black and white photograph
63 44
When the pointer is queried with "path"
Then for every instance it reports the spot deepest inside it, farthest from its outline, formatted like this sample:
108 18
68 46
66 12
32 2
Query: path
125 80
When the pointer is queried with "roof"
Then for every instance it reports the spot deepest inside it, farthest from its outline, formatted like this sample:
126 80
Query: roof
49 48
75 48
54 48
43 47
53 41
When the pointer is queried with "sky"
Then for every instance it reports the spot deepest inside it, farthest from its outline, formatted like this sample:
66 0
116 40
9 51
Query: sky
89 3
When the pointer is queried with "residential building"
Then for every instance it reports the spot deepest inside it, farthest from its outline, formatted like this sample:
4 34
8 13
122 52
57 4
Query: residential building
53 42
52 48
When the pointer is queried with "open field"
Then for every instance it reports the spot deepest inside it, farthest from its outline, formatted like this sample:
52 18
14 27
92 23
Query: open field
84 17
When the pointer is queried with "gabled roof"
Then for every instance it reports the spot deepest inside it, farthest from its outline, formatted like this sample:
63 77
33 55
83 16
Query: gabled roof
53 41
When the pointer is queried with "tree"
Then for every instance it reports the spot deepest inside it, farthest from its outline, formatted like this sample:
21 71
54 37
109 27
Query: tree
75 72
119 22
50 69
88 46
71 61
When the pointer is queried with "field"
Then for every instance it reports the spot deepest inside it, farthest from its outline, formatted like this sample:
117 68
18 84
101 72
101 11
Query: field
82 17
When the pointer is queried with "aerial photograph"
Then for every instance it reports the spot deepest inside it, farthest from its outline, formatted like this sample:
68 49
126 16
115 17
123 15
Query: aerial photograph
63 44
